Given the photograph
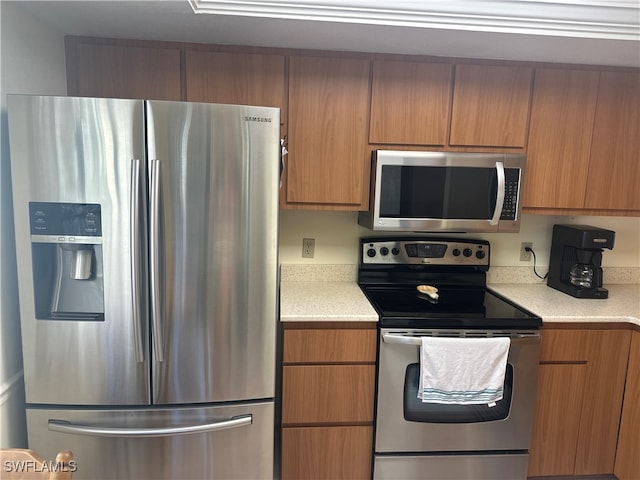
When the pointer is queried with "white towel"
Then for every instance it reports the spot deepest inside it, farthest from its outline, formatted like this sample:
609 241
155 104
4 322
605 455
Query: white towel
462 370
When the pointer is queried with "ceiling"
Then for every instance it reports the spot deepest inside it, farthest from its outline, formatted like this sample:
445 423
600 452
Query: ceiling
418 30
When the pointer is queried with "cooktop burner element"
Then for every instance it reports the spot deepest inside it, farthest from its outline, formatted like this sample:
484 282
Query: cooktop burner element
391 270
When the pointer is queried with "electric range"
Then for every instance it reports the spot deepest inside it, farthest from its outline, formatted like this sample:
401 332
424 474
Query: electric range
434 287
391 269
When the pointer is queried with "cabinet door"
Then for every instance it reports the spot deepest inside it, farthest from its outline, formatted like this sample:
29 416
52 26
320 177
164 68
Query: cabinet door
627 466
490 106
614 170
562 116
328 163
410 103
329 453
100 70
608 352
556 420
579 401
237 78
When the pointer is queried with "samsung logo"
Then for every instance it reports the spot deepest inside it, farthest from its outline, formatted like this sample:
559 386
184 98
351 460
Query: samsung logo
257 119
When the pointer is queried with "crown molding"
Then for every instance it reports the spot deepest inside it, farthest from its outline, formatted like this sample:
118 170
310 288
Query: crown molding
613 20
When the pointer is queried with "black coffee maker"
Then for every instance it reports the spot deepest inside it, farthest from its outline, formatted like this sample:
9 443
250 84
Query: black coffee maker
576 259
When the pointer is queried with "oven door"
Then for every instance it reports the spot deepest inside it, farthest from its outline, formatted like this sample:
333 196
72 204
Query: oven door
405 425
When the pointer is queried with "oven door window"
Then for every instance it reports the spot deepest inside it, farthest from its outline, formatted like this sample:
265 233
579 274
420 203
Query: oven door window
417 411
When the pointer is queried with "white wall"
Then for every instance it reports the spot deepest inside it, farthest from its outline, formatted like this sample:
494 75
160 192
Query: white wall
32 58
337 235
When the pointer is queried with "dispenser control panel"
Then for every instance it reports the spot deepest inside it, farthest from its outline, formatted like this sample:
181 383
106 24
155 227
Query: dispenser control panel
65 219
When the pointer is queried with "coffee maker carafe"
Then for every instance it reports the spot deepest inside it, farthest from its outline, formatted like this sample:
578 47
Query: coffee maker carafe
575 264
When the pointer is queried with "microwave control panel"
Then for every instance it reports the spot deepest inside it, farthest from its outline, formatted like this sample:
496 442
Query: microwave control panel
511 182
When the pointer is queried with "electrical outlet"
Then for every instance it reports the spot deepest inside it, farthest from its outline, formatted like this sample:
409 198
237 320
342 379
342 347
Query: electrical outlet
308 247
525 256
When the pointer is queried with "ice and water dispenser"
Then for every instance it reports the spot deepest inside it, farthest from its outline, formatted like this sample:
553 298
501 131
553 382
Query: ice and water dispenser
66 246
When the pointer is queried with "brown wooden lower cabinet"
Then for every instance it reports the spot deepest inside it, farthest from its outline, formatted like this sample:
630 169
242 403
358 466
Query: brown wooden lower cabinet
558 408
327 453
628 455
328 384
579 401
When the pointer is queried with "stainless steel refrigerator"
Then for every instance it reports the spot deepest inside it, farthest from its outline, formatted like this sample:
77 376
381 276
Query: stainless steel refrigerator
146 238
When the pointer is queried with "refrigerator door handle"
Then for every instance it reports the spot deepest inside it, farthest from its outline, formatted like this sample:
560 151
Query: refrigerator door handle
135 259
154 269
63 426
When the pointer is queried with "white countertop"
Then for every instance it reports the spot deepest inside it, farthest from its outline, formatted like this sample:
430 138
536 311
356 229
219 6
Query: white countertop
343 301
623 304
319 301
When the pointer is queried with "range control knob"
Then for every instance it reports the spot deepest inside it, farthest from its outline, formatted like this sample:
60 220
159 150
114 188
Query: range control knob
384 251
467 252
371 252
456 252
480 254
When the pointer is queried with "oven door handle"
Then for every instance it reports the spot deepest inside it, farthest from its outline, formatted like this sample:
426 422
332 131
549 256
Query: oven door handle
401 339
416 340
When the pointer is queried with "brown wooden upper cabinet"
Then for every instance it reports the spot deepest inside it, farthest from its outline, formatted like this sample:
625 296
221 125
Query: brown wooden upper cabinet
584 141
562 115
236 78
410 103
614 169
490 106
328 162
101 70
419 103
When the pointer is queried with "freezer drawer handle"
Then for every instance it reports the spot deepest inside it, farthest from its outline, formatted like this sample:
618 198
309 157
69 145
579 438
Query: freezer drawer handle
63 426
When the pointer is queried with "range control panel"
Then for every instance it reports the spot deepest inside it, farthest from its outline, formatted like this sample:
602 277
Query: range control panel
425 251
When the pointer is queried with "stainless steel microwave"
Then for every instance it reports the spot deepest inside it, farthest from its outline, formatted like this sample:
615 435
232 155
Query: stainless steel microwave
445 192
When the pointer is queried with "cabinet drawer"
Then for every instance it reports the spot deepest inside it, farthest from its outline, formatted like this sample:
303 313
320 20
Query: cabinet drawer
326 452
563 346
330 346
315 394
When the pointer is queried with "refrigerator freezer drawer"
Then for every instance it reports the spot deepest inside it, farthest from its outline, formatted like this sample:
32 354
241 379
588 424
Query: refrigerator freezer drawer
228 442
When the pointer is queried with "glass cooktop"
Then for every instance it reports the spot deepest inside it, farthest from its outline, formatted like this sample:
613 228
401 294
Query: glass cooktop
455 307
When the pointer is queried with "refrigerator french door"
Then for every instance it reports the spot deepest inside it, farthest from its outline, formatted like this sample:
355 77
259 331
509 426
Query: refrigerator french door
146 239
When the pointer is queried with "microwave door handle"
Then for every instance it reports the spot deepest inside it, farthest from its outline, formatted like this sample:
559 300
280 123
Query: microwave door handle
500 194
